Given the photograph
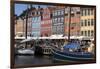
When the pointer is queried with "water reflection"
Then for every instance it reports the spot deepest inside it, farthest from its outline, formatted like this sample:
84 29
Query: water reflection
30 59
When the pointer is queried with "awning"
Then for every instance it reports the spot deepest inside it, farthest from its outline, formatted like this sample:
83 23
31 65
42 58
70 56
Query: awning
26 40
73 37
56 36
84 38
19 37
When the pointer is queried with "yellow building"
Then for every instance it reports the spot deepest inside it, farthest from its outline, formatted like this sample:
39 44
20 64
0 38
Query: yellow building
87 22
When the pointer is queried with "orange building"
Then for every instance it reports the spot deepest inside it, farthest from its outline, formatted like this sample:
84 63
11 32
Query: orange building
46 22
19 27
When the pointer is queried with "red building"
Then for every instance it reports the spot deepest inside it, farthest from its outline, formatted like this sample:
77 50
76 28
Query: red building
75 21
46 22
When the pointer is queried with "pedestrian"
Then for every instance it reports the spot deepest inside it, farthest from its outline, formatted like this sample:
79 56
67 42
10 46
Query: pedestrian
91 47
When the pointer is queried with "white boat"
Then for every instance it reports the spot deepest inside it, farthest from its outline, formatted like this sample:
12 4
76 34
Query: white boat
25 52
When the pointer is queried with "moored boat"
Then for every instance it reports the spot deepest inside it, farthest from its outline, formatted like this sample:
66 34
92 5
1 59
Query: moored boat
71 56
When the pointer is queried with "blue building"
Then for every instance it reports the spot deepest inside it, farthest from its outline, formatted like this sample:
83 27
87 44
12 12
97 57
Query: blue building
36 23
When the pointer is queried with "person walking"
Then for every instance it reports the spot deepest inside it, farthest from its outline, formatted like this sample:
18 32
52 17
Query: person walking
91 47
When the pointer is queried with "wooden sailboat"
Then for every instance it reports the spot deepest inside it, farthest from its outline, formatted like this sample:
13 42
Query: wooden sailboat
67 56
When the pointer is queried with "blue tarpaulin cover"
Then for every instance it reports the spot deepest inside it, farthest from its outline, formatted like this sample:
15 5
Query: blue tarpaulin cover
72 46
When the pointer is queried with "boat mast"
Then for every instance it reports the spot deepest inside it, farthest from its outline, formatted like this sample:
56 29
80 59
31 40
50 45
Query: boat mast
31 19
69 24
26 22
26 25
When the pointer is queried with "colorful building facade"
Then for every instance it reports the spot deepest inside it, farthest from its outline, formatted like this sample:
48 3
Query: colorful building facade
19 27
36 22
87 22
46 23
58 20
74 14
54 20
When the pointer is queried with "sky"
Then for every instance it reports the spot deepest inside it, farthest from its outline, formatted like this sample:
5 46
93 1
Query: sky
19 8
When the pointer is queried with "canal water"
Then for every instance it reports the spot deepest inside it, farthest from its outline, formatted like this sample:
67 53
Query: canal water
35 60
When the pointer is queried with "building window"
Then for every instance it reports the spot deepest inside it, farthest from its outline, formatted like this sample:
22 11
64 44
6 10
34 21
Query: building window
55 19
82 12
88 22
82 24
85 12
92 33
58 19
92 11
85 22
32 13
36 18
66 10
82 33
35 13
32 19
58 12
55 13
72 14
62 19
92 22
85 33
38 13
54 29
62 12
88 32
88 11
42 22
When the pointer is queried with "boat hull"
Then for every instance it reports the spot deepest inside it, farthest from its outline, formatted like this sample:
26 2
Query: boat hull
71 57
